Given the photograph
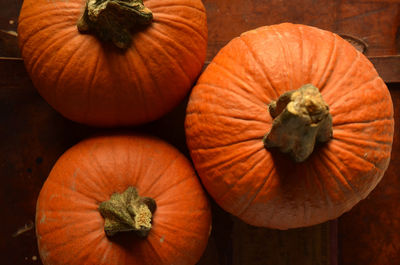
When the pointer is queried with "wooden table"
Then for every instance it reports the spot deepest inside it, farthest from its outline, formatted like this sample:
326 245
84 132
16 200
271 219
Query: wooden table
34 136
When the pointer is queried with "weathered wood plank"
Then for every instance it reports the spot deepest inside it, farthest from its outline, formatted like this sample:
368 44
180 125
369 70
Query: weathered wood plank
34 135
375 22
388 67
370 233
254 246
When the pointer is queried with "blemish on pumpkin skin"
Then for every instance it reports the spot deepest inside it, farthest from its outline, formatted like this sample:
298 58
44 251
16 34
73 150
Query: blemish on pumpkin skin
44 253
105 258
43 219
162 239
52 219
52 196
73 185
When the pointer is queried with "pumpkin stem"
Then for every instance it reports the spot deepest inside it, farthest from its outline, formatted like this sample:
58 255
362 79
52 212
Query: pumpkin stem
127 211
301 118
112 20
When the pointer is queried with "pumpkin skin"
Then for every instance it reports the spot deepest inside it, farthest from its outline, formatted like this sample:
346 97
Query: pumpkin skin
70 229
95 83
227 118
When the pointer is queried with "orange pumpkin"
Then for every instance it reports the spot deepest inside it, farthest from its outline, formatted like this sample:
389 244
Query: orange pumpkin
91 81
89 211
235 142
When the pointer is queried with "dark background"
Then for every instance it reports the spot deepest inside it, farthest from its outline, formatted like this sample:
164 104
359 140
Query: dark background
33 136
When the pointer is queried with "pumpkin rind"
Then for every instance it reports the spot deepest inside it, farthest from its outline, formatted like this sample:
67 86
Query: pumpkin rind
97 84
70 228
227 118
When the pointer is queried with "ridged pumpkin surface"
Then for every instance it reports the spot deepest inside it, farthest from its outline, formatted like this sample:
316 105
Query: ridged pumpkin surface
70 229
96 83
228 116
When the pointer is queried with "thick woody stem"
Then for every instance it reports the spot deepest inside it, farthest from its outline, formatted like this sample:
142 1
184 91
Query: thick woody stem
301 118
112 20
127 211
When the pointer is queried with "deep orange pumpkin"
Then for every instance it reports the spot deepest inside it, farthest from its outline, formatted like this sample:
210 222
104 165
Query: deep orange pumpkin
227 118
70 229
95 83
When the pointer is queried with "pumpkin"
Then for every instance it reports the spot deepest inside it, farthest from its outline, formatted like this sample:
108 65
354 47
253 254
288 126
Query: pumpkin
289 126
129 65
122 199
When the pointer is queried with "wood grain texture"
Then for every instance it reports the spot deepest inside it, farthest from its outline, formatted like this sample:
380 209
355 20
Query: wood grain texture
388 67
370 233
254 246
31 143
375 22
33 135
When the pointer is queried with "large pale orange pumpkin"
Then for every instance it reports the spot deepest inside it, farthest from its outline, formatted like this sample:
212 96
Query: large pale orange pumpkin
93 82
236 149
71 229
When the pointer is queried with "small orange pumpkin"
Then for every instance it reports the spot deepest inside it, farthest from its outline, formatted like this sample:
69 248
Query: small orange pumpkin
106 186
93 82
317 87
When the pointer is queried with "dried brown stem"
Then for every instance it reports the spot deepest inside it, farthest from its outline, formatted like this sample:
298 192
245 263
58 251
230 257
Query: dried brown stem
112 20
301 118
127 211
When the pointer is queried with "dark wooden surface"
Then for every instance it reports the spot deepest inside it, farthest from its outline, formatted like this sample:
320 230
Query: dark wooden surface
34 136
374 21
388 67
370 233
